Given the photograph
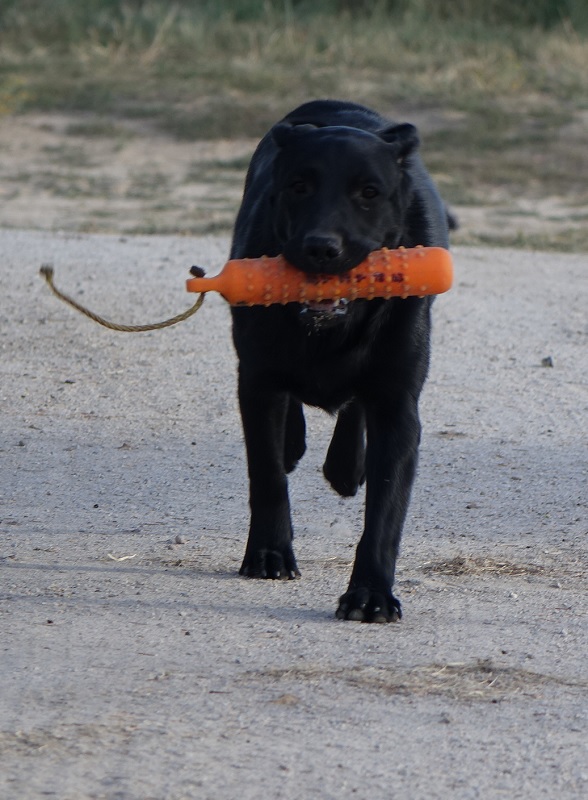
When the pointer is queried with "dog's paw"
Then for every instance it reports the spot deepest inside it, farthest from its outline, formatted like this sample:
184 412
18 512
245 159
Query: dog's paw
367 605
345 481
273 564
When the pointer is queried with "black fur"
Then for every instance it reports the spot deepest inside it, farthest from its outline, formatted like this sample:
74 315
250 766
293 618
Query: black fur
327 185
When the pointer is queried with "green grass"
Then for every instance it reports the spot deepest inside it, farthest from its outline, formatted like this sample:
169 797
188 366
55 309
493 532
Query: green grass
566 240
203 73
99 129
64 154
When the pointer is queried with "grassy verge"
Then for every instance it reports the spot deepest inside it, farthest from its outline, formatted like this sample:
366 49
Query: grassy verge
504 106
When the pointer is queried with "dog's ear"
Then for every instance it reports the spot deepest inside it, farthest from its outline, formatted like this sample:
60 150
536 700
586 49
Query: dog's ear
403 138
284 132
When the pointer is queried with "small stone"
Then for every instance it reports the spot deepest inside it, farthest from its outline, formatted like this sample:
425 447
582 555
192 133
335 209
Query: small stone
179 539
547 361
286 700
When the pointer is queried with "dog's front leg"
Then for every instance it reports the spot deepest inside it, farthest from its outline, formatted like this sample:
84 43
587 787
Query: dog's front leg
393 434
269 551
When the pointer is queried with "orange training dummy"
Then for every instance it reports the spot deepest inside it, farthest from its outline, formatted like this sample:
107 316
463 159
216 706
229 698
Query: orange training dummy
405 272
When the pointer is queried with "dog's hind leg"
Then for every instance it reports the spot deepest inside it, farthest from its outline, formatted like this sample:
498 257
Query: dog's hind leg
295 436
344 465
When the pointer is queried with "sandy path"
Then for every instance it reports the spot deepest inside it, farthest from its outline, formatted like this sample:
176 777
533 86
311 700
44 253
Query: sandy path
134 667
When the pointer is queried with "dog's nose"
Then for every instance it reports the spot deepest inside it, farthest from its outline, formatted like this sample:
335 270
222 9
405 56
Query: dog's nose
322 250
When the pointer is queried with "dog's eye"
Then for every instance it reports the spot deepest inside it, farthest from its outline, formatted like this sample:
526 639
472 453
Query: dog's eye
299 187
369 192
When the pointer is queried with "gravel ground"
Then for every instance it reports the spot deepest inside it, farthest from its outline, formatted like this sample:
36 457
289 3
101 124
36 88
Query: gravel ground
136 664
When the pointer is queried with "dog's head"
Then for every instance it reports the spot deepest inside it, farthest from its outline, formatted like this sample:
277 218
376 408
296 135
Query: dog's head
339 193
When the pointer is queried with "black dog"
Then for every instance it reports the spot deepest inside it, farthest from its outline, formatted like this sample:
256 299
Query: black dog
326 186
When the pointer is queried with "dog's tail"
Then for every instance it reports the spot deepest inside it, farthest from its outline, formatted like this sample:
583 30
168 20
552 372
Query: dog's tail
452 220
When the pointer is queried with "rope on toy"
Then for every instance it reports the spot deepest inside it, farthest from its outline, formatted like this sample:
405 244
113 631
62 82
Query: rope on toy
47 272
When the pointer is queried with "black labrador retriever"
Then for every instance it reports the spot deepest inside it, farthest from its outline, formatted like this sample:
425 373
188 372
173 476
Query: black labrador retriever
327 185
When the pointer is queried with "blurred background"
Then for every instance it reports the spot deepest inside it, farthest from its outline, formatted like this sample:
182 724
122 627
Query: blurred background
140 116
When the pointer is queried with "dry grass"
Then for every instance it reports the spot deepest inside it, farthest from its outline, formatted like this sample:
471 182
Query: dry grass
468 566
463 682
465 565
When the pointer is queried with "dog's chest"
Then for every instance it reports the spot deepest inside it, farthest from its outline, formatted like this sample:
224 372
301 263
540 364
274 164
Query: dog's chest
325 376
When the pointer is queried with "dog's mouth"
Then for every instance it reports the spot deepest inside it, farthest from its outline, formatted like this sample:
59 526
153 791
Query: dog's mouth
326 308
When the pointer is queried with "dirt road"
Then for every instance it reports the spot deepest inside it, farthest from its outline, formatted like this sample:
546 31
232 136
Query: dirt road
136 665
